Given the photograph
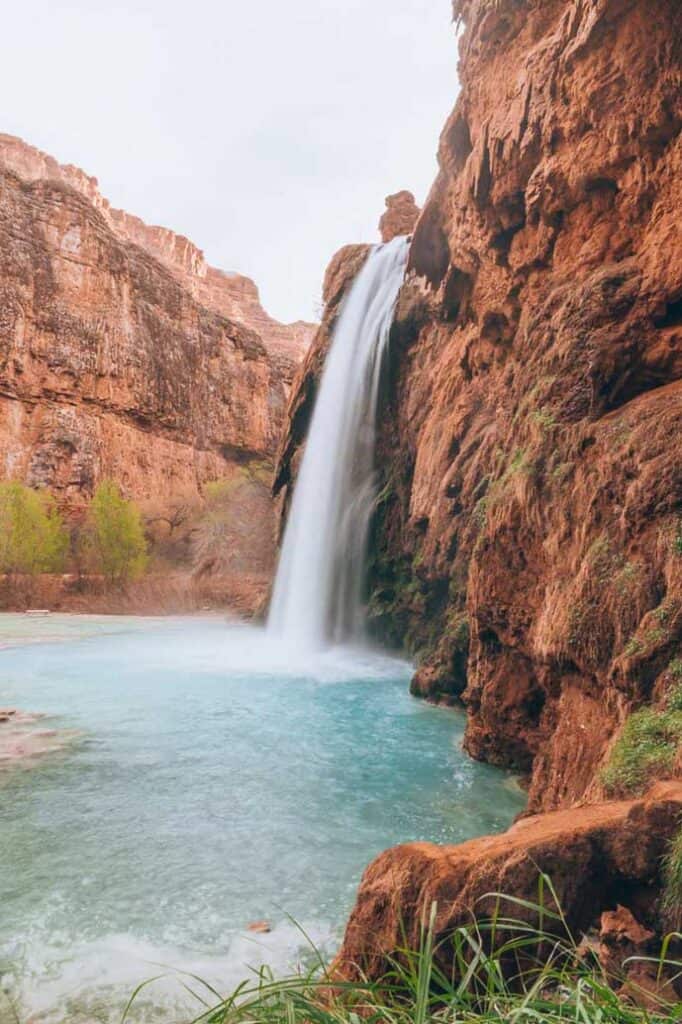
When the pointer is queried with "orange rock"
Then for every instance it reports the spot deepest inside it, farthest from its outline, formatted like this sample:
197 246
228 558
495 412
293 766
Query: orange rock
594 855
261 927
400 217
530 439
622 937
123 354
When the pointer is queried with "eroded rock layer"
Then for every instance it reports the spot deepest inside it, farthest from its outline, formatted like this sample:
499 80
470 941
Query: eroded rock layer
122 354
605 863
529 542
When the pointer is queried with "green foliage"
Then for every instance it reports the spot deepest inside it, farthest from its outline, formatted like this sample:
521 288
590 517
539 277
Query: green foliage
458 631
671 902
652 638
518 464
114 534
32 534
518 964
544 419
633 646
644 751
626 578
480 514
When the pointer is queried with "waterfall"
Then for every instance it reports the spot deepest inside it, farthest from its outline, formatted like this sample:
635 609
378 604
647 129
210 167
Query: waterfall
317 596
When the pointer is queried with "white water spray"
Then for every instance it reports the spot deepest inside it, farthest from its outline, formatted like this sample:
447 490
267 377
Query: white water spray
318 590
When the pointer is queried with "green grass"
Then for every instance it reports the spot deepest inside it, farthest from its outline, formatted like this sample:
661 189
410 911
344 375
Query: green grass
632 647
645 750
671 903
524 969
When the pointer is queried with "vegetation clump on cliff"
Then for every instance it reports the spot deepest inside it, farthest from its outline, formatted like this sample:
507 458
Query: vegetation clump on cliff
645 749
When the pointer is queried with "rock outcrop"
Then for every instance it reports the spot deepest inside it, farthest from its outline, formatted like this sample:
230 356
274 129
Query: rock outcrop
400 216
123 355
528 546
604 862
230 295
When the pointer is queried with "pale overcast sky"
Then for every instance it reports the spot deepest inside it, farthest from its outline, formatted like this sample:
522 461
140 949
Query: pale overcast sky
269 132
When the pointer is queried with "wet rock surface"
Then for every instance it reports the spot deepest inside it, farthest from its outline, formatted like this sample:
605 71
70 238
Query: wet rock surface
601 859
527 546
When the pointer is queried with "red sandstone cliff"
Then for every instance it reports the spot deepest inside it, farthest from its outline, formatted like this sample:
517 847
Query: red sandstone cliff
537 474
231 295
528 542
123 355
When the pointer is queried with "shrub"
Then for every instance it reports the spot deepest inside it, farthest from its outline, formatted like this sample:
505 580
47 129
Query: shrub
32 534
227 536
114 535
644 750
633 646
545 419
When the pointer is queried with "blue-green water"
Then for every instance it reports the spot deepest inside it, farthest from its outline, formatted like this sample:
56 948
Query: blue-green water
214 781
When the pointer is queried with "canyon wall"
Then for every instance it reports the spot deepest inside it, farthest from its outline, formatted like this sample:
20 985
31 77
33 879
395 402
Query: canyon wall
527 547
123 354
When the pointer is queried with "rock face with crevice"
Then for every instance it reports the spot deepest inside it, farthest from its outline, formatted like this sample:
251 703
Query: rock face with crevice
528 544
122 353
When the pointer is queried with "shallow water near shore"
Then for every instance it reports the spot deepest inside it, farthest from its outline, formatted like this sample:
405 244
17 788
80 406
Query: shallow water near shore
214 779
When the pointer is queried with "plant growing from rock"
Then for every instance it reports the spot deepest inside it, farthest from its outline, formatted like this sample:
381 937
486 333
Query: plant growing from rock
671 900
522 964
644 751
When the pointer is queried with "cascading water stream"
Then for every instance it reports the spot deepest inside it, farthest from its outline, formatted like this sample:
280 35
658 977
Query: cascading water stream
317 596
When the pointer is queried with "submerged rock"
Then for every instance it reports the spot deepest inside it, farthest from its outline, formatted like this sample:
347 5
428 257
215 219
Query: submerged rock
22 744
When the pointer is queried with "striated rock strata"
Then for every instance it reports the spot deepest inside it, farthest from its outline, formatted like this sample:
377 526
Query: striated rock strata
528 540
122 354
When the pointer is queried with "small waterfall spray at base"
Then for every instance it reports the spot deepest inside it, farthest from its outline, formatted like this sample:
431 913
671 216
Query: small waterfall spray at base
317 596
